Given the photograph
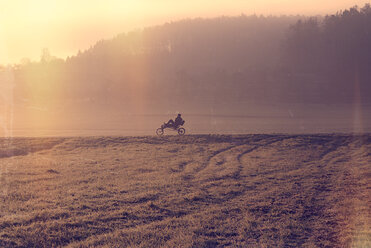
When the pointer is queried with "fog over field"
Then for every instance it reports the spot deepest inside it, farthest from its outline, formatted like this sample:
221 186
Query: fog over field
189 191
299 74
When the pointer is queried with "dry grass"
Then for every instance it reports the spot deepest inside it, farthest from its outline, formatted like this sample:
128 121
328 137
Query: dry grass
192 191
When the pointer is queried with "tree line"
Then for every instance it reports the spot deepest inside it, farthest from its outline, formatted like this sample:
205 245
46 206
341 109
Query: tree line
335 50
198 62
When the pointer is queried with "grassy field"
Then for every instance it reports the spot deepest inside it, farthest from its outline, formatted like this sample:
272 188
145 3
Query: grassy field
191 191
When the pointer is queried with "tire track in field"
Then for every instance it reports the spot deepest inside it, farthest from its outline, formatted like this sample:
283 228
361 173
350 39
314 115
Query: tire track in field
229 185
236 153
239 157
312 204
190 176
316 202
236 176
335 163
236 145
219 152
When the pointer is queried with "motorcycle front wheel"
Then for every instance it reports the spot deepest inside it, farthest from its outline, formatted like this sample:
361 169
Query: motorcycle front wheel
160 131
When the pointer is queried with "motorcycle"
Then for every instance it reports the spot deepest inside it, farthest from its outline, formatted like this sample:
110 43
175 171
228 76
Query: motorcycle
178 128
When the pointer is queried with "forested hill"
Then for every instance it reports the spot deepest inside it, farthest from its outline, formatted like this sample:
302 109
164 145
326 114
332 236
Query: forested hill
196 63
190 61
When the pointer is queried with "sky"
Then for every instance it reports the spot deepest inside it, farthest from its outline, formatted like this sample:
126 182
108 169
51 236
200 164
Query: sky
66 26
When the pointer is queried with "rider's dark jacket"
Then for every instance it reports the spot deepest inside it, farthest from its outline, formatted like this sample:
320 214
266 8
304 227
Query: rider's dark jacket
178 121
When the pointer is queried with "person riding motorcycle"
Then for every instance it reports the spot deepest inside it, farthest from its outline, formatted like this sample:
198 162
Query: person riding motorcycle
178 122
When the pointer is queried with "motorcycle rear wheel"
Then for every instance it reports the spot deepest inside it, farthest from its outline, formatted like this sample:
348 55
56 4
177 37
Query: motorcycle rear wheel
181 131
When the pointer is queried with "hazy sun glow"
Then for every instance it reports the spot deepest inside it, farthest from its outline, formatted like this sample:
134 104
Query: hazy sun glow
26 27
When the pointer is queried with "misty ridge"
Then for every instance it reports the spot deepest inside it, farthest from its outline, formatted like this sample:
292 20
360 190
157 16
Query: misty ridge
204 65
